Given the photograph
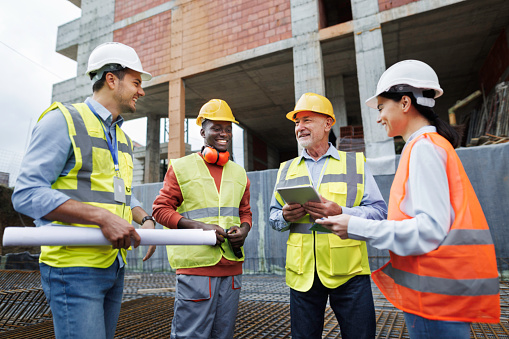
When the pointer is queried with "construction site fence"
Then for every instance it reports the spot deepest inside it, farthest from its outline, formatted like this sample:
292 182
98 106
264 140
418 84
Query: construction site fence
265 249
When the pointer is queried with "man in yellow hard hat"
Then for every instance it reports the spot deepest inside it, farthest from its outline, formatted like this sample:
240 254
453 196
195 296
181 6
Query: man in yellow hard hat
206 190
319 265
78 171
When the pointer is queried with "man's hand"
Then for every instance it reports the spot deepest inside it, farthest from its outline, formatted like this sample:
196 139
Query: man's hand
237 235
323 209
119 232
185 223
338 224
149 225
293 212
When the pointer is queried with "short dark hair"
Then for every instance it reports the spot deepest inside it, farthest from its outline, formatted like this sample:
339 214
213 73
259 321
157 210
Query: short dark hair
100 83
204 122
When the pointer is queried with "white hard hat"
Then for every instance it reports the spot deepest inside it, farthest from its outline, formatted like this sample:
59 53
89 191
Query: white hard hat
408 76
105 57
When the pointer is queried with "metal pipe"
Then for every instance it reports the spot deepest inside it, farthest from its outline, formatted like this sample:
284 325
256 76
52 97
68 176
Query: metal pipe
461 103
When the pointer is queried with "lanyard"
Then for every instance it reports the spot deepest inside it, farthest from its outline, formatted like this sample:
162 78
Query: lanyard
321 174
112 147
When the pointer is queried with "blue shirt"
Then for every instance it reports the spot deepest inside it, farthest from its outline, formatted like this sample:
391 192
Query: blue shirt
372 205
50 155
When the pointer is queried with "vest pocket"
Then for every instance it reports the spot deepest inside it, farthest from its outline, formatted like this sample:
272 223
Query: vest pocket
127 171
345 256
338 192
294 253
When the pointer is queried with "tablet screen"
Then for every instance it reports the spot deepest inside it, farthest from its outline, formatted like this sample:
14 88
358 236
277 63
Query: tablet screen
299 194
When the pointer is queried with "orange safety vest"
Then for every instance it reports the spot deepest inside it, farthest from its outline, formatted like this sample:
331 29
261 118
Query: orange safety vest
458 281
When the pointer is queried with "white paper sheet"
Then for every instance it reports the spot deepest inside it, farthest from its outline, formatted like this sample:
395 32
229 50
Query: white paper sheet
87 236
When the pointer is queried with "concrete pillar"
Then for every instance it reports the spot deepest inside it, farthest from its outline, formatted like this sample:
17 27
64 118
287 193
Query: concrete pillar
176 112
335 91
152 158
96 27
248 150
307 52
176 117
370 60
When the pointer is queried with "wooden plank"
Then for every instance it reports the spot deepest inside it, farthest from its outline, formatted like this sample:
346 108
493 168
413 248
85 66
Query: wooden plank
155 290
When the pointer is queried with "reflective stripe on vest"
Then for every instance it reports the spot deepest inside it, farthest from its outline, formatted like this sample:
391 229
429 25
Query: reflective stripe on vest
352 179
86 143
202 202
90 181
210 212
336 260
458 281
461 287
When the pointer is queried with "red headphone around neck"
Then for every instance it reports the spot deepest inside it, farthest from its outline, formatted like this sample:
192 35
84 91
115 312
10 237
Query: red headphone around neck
213 156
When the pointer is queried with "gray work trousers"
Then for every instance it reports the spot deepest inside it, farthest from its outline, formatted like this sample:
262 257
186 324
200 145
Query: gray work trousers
205 307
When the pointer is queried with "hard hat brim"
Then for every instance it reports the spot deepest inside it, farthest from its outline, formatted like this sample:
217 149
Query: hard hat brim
145 76
291 115
199 120
372 102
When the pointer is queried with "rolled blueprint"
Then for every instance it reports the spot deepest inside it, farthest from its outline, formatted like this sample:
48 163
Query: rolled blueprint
88 236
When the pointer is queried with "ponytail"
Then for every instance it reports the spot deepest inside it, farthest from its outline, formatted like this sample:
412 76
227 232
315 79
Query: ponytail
443 128
448 132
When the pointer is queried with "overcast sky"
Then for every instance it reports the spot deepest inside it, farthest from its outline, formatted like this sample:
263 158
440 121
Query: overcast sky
29 66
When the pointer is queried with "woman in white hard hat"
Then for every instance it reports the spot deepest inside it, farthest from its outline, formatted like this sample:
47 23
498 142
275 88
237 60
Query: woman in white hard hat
443 271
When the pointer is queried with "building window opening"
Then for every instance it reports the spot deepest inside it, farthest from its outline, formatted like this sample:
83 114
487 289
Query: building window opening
333 12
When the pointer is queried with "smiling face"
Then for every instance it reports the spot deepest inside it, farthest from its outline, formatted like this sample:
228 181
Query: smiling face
391 116
312 129
217 134
128 91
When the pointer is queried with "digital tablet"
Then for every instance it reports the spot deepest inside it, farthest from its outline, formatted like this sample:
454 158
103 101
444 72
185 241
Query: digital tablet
299 194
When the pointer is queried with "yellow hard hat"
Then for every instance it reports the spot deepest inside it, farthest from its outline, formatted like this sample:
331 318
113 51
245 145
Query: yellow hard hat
216 109
314 103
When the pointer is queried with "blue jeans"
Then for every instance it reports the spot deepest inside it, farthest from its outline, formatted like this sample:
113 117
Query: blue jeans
85 301
422 328
351 302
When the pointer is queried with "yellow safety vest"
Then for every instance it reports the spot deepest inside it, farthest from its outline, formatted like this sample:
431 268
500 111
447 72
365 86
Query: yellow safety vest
90 181
336 260
202 202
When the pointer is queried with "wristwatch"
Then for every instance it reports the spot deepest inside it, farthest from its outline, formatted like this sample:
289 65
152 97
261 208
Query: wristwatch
148 217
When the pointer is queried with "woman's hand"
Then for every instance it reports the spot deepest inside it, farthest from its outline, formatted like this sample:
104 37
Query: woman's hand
338 224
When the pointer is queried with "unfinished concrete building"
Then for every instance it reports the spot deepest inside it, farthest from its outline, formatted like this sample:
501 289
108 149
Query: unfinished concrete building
261 55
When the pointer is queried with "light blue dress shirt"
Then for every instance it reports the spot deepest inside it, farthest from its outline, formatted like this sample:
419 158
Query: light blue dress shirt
50 155
372 205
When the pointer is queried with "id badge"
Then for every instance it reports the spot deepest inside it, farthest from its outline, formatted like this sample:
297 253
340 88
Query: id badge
118 185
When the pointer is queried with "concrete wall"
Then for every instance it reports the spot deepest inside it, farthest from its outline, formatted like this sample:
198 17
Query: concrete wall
265 248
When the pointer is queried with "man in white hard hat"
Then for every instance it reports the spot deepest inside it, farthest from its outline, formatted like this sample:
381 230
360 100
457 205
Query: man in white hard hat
319 265
78 171
207 190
